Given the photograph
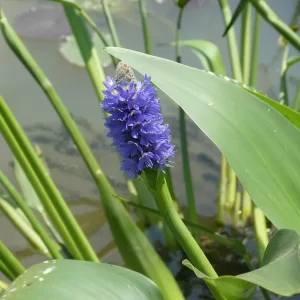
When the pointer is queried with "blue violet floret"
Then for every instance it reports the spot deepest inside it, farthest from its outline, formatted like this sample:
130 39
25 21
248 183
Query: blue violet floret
136 125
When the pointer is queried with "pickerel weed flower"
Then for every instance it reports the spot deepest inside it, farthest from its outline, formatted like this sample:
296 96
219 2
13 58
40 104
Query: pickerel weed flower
135 123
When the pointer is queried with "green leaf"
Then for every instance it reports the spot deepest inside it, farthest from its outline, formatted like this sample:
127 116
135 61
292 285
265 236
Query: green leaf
208 53
19 220
28 192
280 271
69 50
70 280
242 4
259 143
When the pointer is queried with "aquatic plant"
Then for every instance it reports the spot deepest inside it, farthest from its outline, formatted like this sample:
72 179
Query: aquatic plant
258 137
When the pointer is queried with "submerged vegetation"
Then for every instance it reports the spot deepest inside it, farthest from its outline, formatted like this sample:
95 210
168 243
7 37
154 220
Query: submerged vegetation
258 173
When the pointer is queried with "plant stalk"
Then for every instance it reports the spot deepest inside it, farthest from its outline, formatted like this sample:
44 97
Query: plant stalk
192 211
145 26
52 247
270 16
18 153
110 23
246 42
10 261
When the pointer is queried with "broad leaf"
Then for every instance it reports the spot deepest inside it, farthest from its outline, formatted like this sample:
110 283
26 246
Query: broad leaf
208 53
280 271
259 143
69 50
70 280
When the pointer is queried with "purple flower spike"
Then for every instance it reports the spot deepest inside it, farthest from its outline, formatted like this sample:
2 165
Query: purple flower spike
135 123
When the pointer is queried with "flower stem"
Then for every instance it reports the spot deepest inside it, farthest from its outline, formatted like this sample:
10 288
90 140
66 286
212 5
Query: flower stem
192 212
110 23
17 150
10 261
157 185
52 247
145 25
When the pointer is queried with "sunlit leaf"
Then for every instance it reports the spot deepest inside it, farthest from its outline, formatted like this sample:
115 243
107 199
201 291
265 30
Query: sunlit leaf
70 280
259 143
280 271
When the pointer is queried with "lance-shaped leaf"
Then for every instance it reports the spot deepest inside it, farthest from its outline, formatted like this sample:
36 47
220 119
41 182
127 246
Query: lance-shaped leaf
260 144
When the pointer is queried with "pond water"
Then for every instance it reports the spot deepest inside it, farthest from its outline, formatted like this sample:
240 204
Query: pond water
34 22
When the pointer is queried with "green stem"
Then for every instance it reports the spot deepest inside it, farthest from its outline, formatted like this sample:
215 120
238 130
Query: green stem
145 26
236 211
222 192
58 201
246 207
231 189
192 226
192 212
24 227
296 105
91 23
232 43
261 235
22 53
157 185
255 50
3 268
270 16
18 153
10 261
52 247
110 23
87 50
246 42
283 95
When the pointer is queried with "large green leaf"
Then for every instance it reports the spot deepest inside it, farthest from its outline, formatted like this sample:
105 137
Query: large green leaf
280 271
260 144
72 280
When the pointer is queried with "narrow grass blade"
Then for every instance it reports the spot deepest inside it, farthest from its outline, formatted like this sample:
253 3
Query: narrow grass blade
18 153
239 9
24 228
52 247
